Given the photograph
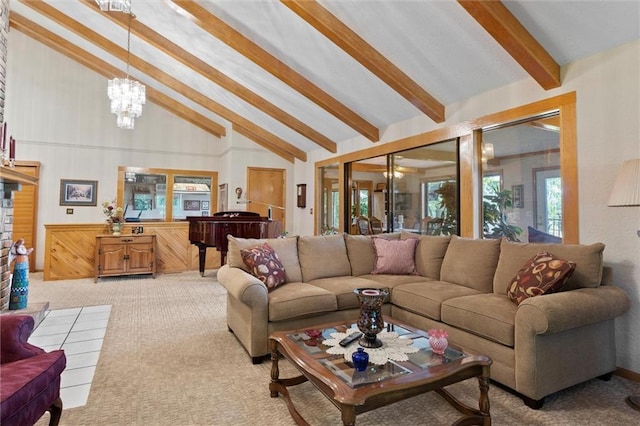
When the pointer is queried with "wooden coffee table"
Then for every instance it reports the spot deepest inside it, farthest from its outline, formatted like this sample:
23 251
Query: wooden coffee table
358 392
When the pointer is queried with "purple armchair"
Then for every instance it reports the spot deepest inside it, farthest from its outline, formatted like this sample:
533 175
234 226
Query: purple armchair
29 376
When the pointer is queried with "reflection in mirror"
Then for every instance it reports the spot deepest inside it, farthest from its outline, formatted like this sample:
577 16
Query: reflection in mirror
414 190
522 187
191 195
329 199
144 196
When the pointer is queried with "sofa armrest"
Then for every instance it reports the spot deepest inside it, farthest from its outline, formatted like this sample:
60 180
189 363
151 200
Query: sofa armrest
243 286
557 312
14 333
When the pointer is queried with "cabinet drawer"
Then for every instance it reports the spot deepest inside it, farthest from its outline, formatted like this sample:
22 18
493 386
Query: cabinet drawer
127 239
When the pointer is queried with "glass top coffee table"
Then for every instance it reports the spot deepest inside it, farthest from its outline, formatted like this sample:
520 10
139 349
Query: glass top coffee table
355 392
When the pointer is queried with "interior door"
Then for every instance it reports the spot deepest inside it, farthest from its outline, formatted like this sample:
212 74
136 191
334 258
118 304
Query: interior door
266 187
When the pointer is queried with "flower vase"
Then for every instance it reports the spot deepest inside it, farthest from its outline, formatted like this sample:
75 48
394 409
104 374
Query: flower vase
438 341
360 360
370 322
116 228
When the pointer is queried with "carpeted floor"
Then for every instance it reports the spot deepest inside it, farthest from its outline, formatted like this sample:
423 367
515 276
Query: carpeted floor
168 359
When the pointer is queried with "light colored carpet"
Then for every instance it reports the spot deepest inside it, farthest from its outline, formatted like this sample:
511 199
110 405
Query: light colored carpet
168 359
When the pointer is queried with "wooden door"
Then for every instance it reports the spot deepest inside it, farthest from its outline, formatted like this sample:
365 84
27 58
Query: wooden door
266 187
140 255
25 210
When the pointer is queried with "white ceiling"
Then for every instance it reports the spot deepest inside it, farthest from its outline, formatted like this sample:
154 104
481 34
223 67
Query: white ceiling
436 43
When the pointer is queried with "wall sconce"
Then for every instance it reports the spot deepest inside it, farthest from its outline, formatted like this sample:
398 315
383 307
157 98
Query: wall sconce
239 192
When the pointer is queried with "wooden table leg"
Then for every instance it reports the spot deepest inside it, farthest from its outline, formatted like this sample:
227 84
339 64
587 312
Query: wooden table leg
348 415
275 370
279 386
483 403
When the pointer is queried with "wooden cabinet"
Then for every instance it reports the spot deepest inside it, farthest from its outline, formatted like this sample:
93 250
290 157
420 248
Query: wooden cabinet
125 255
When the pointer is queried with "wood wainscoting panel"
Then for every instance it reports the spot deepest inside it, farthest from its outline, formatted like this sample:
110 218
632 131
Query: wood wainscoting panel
69 249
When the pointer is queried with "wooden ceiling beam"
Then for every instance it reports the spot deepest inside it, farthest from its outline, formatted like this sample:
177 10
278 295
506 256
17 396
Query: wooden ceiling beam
214 75
355 46
49 39
498 21
160 76
225 33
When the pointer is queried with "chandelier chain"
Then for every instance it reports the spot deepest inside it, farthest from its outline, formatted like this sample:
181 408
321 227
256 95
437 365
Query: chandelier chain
128 43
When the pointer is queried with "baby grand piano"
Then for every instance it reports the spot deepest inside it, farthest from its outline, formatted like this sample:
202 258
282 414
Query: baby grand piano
212 231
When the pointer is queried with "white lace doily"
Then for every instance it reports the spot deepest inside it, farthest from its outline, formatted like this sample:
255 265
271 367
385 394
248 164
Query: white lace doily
393 348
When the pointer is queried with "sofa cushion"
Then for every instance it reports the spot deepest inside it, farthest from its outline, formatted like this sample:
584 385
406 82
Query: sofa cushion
298 300
361 253
395 257
393 281
542 274
491 316
323 256
588 260
286 248
471 263
429 253
425 298
264 264
342 288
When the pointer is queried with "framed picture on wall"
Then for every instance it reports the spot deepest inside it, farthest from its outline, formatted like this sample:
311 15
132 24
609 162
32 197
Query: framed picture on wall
204 205
78 192
191 205
517 192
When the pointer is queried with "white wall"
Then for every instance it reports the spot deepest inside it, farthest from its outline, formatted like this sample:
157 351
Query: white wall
608 129
58 111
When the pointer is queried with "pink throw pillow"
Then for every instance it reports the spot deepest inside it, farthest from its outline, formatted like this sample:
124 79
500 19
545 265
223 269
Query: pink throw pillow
395 257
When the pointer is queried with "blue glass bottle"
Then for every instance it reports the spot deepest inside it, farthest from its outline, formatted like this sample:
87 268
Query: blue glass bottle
360 359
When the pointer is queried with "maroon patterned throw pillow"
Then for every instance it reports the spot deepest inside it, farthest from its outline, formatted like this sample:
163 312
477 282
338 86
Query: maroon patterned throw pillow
264 264
542 274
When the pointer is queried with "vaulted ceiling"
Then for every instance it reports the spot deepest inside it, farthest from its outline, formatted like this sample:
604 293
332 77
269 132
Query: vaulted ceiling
298 75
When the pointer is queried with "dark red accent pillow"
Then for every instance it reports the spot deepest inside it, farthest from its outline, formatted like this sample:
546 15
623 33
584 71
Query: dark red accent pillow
263 263
542 274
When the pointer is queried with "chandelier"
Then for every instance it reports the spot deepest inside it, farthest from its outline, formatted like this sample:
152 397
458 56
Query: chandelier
115 5
397 174
127 96
487 152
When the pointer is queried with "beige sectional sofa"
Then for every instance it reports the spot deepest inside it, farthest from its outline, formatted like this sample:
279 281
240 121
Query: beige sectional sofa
545 344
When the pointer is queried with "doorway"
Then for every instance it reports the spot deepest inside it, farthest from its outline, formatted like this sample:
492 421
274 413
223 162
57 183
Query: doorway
266 188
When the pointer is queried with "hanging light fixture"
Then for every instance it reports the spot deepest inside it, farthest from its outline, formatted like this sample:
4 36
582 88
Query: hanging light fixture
397 174
487 152
127 96
115 5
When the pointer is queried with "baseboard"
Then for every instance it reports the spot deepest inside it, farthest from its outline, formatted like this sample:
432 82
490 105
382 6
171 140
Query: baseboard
627 374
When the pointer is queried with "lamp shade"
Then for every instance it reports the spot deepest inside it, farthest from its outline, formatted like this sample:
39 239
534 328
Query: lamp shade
626 189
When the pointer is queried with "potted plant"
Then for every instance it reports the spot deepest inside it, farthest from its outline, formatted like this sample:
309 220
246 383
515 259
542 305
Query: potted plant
495 205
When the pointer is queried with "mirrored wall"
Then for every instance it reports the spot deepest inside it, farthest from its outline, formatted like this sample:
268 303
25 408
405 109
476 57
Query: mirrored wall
160 195
509 175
